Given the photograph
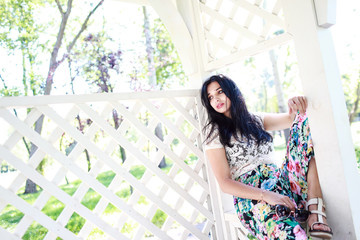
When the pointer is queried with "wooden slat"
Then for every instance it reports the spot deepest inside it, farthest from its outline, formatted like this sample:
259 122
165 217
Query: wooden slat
34 160
250 51
59 194
101 189
185 113
159 143
260 12
129 177
8 236
148 164
219 43
229 22
38 216
277 7
32 101
108 195
176 131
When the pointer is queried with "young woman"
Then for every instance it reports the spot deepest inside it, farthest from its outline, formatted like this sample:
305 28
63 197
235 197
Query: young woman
270 201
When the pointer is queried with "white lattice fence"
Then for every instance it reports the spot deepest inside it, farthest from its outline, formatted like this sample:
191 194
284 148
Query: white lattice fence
134 199
232 29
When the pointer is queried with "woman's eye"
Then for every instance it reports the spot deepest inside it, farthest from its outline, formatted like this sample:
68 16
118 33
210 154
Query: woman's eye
210 98
221 91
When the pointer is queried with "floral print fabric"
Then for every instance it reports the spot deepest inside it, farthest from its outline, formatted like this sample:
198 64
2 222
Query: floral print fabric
290 180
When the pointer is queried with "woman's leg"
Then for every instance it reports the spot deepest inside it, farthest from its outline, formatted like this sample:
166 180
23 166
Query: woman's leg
297 159
314 191
300 167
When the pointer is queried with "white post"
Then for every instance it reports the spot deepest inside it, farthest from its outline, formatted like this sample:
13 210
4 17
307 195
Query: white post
328 118
190 12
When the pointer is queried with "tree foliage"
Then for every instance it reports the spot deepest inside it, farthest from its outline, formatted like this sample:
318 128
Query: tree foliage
351 86
19 36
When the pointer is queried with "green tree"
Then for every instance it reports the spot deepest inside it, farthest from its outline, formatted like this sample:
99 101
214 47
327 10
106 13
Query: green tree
96 63
20 33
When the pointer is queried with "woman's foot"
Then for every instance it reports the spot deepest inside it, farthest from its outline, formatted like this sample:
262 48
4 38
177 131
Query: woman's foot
317 220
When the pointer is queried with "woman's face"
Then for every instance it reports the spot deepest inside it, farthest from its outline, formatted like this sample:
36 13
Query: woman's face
218 100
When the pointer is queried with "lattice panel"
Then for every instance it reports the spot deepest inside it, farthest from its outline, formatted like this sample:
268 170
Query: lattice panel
236 28
95 193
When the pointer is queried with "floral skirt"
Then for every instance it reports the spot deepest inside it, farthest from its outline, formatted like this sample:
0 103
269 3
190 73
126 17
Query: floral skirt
290 180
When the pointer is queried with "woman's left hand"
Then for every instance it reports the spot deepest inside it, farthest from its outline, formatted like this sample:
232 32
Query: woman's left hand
298 103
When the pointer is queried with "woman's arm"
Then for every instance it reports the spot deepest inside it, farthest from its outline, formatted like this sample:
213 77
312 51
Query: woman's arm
280 121
221 170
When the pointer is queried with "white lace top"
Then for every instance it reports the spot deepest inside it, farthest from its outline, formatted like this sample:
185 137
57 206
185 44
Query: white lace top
243 156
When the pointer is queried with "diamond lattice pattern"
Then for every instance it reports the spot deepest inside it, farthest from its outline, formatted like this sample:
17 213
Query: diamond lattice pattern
238 27
103 177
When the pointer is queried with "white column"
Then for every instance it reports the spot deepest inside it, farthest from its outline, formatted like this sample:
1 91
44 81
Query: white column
335 156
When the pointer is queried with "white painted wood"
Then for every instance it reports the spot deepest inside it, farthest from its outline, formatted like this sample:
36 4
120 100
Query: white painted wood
8 236
138 2
191 17
277 8
216 204
101 189
176 131
59 194
268 17
178 31
199 42
229 22
36 214
185 114
325 12
27 101
33 161
250 51
130 178
218 43
335 156
152 167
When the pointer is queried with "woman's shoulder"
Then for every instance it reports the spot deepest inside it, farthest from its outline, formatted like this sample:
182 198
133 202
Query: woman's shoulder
212 137
260 115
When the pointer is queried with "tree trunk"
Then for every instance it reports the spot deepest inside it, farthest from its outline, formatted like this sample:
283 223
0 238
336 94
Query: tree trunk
54 63
117 122
160 135
30 186
279 92
149 50
152 72
356 103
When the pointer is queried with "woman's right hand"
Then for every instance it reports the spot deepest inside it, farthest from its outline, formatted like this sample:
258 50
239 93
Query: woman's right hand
274 198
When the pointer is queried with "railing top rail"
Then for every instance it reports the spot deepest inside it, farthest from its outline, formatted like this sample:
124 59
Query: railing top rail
30 101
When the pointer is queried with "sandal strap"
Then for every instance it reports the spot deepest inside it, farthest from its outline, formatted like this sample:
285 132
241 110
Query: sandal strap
318 212
314 201
320 206
312 225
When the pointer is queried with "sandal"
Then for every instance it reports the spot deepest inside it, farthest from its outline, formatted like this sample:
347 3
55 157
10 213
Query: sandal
317 232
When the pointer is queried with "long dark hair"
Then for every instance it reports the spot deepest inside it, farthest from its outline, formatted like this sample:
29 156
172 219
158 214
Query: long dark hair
241 121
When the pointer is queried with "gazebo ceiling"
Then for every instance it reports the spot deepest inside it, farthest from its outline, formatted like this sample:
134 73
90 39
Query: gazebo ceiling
238 28
226 30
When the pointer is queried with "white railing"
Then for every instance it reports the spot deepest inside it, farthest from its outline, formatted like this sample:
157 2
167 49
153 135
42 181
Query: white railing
138 191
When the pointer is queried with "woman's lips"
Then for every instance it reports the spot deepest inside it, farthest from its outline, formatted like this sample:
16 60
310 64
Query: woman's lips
219 105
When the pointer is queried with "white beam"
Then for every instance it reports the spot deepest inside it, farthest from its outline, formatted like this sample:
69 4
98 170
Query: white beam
179 33
325 12
328 118
138 2
250 51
